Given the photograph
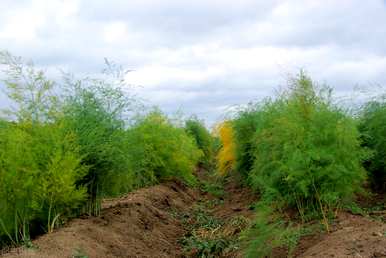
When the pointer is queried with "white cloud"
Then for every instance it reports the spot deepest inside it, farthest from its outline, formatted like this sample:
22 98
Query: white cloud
204 56
114 32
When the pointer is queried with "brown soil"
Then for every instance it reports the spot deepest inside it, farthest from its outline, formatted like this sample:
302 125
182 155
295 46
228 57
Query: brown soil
352 236
237 201
138 225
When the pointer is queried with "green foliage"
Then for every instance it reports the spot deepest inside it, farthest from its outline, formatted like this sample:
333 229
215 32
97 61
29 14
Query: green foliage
306 151
161 150
214 188
29 89
39 162
93 113
204 247
269 231
203 139
245 126
355 209
60 155
299 151
373 128
39 167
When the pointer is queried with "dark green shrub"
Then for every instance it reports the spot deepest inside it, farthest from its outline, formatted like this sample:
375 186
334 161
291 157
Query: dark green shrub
306 154
100 136
373 128
307 151
245 125
203 139
160 150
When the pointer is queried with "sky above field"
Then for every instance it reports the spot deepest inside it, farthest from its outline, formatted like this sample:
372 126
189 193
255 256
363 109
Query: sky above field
203 57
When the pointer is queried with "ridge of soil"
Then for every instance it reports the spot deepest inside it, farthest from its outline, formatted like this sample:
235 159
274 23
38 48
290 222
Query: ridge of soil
137 225
352 236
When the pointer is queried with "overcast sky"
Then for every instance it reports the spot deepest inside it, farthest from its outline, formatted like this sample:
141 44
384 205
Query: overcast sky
203 56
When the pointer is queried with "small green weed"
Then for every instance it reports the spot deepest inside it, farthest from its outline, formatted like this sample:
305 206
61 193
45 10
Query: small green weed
213 203
208 236
270 231
355 209
79 253
214 188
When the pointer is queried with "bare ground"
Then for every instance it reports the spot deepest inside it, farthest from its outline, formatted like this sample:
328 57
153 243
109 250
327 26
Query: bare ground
353 236
138 225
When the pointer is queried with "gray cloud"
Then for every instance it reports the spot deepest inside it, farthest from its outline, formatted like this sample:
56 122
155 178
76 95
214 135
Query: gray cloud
203 56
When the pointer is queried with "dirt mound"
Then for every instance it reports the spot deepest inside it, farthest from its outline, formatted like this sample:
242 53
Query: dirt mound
353 236
138 225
